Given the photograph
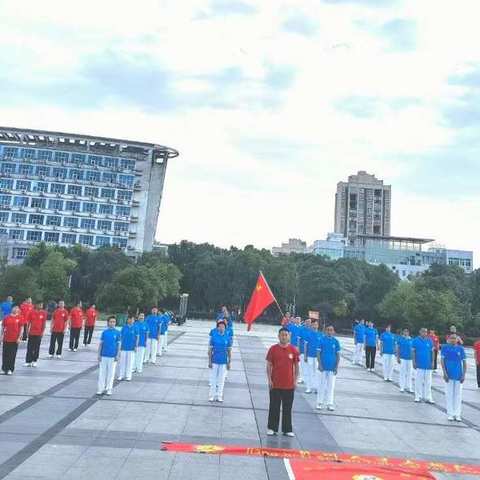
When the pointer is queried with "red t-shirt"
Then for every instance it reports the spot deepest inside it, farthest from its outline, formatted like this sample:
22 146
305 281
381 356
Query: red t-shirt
37 320
59 320
12 327
76 316
91 317
476 347
26 308
283 360
436 341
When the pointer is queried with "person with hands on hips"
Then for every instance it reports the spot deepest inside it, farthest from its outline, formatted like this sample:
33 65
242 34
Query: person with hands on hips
219 358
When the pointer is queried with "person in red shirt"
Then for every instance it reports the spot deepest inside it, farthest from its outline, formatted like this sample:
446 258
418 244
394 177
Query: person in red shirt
436 347
91 317
36 326
11 333
76 324
25 308
476 348
282 373
57 328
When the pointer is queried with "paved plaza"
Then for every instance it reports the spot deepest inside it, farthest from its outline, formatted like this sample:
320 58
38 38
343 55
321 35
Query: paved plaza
52 425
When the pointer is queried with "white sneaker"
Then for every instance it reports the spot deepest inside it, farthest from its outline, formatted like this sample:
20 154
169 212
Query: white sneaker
27 364
417 400
330 408
271 432
128 379
450 418
120 379
99 393
59 356
457 419
402 390
9 372
289 434
431 402
50 356
320 406
308 390
34 364
109 392
220 399
211 399
74 349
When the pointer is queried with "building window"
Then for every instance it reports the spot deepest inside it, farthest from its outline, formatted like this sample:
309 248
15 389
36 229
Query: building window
73 206
122 211
10 152
24 185
125 180
6 200
6 183
20 201
121 227
57 188
89 207
124 195
119 242
8 168
126 164
44 155
78 158
54 204
94 160
92 176
71 222
53 220
61 157
4 216
34 236
75 174
74 190
104 225
52 237
28 153
91 191
106 209
15 234
85 239
69 238
60 173
43 171
110 162
25 169
36 219
88 223
40 187
38 203
108 193
101 241
108 177
19 217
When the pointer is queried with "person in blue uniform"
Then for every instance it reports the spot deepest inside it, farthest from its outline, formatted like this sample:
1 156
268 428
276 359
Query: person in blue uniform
422 359
128 344
153 322
404 359
108 351
310 366
294 328
164 324
371 341
219 359
6 307
328 356
387 351
454 366
359 341
142 333
303 332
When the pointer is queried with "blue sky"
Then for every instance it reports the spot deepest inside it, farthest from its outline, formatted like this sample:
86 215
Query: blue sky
269 103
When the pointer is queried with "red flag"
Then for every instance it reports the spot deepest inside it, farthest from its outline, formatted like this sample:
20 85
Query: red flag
261 298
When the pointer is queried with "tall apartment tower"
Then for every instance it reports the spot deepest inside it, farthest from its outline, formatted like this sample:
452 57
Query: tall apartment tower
362 206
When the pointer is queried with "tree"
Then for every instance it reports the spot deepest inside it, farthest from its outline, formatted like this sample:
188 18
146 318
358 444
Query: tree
20 282
53 276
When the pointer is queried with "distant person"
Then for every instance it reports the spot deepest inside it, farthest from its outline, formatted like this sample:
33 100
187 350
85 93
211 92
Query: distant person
6 307
76 324
108 350
153 322
303 332
453 330
404 358
282 374
422 358
328 360
57 329
36 328
310 366
128 344
476 348
294 328
287 318
436 348
91 316
142 332
371 342
25 308
454 366
164 324
11 334
359 341
219 361
387 351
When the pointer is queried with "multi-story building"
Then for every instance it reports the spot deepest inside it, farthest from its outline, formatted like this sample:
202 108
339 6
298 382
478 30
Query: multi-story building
294 245
71 189
362 206
333 247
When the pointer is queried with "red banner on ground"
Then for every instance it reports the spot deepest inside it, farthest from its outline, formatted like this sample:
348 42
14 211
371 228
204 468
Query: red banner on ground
314 470
365 460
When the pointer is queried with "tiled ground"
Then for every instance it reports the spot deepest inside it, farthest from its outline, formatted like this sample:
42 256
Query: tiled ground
53 426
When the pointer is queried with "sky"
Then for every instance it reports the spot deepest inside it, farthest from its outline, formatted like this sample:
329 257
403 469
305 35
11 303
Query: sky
269 102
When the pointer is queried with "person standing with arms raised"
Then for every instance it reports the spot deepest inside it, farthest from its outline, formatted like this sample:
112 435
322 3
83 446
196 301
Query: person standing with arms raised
36 328
57 328
282 373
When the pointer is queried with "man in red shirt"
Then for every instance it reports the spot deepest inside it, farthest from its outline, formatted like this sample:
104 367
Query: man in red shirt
36 326
436 347
91 317
76 323
282 374
476 348
11 333
57 328
25 308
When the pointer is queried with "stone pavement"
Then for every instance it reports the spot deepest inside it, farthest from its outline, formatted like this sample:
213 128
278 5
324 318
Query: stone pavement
53 426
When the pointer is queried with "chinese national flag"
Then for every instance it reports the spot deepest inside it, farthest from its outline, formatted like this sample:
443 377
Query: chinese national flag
261 298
